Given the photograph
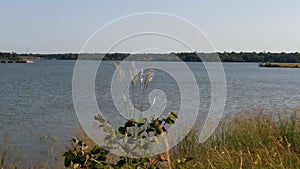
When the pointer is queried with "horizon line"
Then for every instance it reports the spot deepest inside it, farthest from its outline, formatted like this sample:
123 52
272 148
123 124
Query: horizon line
119 52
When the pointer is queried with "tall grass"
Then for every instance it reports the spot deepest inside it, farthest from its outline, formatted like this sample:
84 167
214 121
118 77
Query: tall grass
255 141
8 154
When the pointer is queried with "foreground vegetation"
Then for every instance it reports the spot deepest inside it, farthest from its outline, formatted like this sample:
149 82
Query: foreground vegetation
257 140
254 141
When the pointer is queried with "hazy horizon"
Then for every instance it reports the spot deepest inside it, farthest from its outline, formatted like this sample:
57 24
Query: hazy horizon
170 52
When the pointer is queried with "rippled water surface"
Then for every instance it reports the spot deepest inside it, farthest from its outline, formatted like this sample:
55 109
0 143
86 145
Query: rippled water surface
36 99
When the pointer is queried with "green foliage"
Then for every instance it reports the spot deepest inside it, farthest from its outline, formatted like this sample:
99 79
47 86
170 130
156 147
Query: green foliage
133 138
185 56
81 156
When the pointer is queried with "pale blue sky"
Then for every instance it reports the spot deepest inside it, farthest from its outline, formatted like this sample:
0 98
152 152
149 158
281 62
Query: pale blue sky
56 26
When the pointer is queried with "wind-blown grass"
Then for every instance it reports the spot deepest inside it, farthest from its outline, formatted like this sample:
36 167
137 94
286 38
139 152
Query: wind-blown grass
256 141
8 154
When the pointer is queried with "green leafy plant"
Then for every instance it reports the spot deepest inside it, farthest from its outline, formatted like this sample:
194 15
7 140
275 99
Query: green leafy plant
133 139
81 156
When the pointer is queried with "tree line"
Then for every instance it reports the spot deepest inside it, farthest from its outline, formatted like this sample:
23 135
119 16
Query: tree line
184 56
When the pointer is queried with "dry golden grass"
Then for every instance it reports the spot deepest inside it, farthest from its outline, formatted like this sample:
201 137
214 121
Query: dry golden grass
256 141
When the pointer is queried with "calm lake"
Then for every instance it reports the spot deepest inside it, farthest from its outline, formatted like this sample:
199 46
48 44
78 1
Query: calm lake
36 99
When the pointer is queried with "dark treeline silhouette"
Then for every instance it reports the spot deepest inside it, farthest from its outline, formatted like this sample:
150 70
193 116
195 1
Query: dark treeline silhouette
185 56
9 56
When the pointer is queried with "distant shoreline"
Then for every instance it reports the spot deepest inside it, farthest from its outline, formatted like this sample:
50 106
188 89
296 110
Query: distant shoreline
261 57
280 65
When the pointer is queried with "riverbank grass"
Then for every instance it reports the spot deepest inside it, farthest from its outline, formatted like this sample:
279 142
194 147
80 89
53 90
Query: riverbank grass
251 140
256 141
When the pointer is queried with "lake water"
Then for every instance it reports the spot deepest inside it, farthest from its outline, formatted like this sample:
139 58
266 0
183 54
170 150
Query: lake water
36 99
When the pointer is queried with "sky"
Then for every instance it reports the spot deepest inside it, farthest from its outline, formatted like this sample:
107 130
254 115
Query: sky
61 26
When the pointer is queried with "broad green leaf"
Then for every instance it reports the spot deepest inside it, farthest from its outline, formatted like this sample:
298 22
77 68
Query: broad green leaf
130 123
173 115
67 162
75 140
181 167
76 166
95 150
80 143
69 156
122 130
169 120
141 122
150 129
121 163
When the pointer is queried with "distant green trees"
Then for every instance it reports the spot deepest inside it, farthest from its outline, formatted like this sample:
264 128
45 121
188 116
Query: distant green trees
9 56
260 57
15 56
185 56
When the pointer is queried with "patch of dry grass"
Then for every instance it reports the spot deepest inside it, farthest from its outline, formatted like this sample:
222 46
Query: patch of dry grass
256 141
